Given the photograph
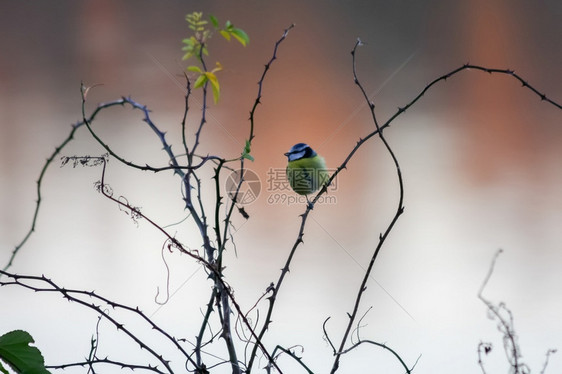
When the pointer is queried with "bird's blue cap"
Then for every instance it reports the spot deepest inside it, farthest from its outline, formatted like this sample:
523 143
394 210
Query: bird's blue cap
300 150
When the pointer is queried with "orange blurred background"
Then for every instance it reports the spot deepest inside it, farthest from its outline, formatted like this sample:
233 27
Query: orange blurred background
481 158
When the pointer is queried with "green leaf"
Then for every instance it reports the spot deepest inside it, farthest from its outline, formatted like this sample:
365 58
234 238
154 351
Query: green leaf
214 84
189 41
214 21
19 355
225 34
194 68
200 81
194 17
240 35
246 153
216 93
229 30
191 47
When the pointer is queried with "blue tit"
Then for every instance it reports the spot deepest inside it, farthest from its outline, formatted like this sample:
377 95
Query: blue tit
306 170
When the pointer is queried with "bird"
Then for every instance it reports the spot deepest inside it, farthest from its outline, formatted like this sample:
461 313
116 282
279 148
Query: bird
306 169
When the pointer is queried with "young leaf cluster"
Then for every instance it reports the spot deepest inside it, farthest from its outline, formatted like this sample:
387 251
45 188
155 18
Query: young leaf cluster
196 46
207 76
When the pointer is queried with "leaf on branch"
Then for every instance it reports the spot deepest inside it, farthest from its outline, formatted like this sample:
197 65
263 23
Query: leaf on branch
208 76
225 34
201 80
19 355
238 34
246 153
196 69
214 21
211 77
195 21
193 47
189 47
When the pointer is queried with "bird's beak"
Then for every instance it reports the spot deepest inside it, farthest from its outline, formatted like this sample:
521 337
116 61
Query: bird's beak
287 154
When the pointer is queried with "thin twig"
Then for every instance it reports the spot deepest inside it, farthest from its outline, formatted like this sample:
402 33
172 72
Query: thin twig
548 353
260 82
328 336
408 370
487 348
293 356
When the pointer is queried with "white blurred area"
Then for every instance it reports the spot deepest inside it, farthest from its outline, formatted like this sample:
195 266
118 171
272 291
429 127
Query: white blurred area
480 156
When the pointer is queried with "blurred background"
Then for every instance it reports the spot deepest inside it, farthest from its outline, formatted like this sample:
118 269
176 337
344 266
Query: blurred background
480 155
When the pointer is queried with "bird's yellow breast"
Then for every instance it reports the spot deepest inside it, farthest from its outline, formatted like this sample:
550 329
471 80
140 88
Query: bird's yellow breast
307 175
